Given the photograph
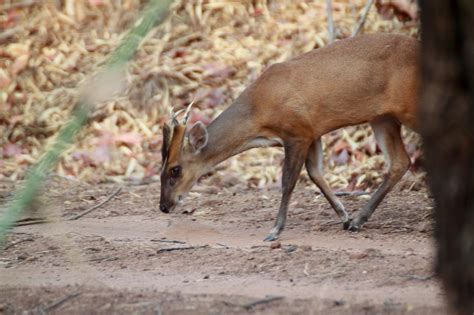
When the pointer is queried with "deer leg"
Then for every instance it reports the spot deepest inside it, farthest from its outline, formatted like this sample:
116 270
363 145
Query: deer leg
314 167
387 134
295 154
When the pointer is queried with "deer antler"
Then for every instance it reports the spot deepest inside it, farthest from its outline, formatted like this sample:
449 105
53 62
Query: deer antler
187 113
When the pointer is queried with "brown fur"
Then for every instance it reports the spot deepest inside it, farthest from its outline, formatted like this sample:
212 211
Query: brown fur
369 78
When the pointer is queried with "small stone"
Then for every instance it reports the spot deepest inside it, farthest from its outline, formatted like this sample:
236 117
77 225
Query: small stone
339 302
275 245
206 277
290 248
358 255
424 227
306 248
22 256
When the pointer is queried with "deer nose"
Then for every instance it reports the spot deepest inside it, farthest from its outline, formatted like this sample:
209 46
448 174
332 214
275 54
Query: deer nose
164 208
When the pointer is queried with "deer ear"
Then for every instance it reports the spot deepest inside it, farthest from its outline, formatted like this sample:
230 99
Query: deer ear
197 136
166 142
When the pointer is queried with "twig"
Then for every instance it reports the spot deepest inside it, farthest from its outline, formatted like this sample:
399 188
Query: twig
59 302
102 259
9 33
330 21
351 193
18 242
262 301
305 270
172 249
353 10
83 213
169 241
223 245
259 246
420 278
363 18
31 221
330 223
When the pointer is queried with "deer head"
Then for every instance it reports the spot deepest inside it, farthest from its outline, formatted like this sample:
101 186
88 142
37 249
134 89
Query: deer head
180 168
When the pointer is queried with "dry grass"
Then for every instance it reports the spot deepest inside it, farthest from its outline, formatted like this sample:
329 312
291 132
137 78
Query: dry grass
208 50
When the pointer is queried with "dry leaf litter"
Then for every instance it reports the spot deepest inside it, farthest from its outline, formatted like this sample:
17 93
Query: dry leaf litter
206 50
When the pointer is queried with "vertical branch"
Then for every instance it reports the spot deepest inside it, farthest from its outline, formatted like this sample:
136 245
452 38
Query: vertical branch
330 20
447 111
361 22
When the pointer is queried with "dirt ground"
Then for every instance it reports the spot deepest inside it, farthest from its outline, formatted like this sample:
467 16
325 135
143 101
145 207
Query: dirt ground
208 257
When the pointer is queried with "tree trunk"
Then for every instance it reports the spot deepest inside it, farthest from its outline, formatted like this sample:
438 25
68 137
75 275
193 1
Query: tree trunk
447 126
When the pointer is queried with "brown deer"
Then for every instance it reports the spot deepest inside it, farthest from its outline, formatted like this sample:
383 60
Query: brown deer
369 78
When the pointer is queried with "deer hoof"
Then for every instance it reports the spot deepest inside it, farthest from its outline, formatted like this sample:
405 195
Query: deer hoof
270 238
353 226
346 224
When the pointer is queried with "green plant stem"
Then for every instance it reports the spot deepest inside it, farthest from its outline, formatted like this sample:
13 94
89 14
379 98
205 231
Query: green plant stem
154 13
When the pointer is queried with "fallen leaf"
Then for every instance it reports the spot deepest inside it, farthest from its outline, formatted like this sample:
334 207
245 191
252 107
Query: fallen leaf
20 64
341 158
96 3
128 138
17 49
404 10
4 79
11 150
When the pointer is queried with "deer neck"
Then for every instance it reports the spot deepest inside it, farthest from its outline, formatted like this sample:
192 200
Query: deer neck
228 135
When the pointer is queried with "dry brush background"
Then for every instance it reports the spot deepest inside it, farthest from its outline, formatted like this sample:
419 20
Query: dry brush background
206 50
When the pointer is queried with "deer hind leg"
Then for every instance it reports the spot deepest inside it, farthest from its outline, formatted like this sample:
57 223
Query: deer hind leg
295 154
387 134
314 166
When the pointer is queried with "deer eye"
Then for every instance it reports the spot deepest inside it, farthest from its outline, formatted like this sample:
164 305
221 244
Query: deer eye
175 171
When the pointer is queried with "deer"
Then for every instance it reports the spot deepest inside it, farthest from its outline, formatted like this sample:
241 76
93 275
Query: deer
369 78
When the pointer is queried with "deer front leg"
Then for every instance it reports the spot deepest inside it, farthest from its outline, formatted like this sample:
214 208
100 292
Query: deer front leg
295 155
314 166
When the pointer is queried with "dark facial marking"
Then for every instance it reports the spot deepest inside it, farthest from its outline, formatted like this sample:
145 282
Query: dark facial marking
166 142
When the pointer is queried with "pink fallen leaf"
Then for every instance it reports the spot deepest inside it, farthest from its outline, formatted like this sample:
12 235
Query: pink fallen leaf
209 98
201 93
101 154
11 150
11 18
358 155
128 138
96 3
84 157
341 145
195 116
341 158
218 71
215 98
404 10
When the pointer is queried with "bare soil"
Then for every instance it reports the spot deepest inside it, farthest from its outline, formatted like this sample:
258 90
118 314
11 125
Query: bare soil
209 258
